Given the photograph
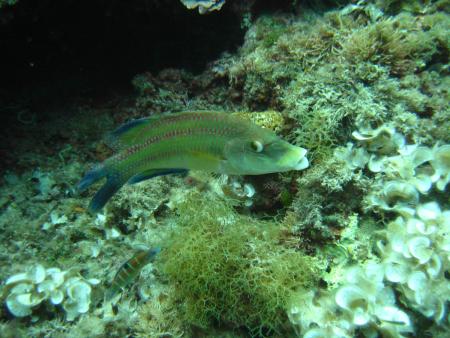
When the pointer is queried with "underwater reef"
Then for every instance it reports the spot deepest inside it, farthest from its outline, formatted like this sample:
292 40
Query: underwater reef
356 244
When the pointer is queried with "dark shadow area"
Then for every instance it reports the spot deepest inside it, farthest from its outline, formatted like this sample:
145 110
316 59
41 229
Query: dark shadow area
53 51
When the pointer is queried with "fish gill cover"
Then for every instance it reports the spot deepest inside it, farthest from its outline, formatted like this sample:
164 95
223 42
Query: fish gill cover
357 244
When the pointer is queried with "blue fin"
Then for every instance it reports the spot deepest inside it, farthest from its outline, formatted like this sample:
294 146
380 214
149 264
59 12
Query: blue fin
112 185
145 175
129 133
127 126
91 177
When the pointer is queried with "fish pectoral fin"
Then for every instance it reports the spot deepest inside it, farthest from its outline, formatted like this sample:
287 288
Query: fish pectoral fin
148 174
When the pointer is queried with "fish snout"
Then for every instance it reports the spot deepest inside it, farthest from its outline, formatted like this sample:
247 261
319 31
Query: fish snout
295 158
302 162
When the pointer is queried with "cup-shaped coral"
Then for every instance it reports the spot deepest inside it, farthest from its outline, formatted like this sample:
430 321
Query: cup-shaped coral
441 166
383 140
22 299
415 256
420 248
23 296
78 297
28 290
396 196
356 302
352 157
51 286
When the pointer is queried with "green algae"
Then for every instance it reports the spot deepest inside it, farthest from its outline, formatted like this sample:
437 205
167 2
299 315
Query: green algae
230 269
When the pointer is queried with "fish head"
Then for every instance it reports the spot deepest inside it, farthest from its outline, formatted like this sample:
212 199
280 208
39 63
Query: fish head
262 153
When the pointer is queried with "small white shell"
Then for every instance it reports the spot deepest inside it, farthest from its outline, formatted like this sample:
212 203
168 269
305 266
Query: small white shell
249 190
94 281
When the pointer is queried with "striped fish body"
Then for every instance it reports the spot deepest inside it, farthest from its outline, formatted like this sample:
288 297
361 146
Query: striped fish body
129 270
175 143
193 141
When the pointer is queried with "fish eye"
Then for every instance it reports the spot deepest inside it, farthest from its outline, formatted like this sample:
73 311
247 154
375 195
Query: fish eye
257 146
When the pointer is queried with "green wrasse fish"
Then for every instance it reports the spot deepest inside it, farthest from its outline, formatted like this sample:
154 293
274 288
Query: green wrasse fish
174 143
129 270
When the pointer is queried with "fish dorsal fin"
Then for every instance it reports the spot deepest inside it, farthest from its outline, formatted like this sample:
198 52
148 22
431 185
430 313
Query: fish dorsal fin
129 133
135 131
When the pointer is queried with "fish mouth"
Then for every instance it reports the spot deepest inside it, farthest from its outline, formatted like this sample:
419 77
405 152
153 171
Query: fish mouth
302 164
298 160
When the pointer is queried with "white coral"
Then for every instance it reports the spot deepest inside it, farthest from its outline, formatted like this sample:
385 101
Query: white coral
204 6
414 252
363 302
29 289
441 166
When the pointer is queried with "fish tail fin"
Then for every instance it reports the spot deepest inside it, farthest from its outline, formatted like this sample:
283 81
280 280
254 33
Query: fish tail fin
112 185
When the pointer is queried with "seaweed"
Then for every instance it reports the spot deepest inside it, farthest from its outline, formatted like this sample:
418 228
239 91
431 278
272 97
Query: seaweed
230 270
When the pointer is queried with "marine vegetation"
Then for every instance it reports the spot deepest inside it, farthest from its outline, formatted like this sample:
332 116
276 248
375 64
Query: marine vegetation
232 270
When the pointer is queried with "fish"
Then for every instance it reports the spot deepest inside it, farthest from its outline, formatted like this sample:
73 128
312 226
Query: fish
129 270
216 142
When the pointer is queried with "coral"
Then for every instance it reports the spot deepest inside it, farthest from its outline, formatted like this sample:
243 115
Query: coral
229 268
407 169
270 119
204 6
364 302
415 257
413 249
413 6
236 190
28 290
179 90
